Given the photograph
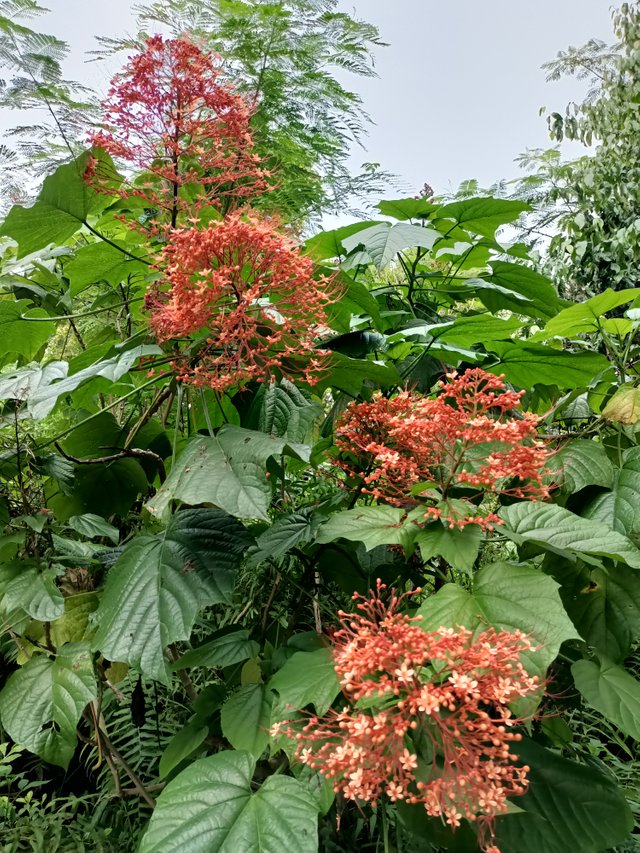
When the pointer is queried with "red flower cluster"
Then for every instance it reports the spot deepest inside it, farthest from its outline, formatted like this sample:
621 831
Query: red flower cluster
428 720
168 115
411 449
248 296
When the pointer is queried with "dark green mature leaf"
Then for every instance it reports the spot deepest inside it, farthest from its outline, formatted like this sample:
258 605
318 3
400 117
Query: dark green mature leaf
582 463
557 528
537 288
285 533
350 374
61 208
183 744
568 807
307 678
225 649
285 411
407 208
619 509
23 336
228 470
383 241
611 691
93 527
210 808
160 583
101 262
483 215
246 718
603 605
41 703
458 547
28 588
528 364
509 598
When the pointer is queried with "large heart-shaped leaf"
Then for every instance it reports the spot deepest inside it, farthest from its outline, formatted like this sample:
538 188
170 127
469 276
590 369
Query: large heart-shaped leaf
228 470
619 509
568 807
246 717
582 463
383 241
612 691
307 678
102 262
371 525
559 529
160 583
584 316
19 334
528 364
210 808
42 702
508 598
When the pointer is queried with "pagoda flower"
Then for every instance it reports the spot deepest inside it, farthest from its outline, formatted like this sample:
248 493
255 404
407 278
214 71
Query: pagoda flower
412 450
426 717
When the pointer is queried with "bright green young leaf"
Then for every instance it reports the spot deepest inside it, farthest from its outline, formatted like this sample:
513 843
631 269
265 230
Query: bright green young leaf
228 471
555 527
612 691
568 807
246 718
60 210
582 463
41 703
225 649
508 598
458 547
383 241
102 262
183 744
210 808
528 364
372 525
620 507
307 678
328 244
584 316
160 583
483 215
23 336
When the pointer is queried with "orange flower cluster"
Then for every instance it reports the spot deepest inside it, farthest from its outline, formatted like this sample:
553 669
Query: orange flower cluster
168 115
411 449
248 297
428 719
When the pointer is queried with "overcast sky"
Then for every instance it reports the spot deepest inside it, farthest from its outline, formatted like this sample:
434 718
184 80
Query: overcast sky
459 87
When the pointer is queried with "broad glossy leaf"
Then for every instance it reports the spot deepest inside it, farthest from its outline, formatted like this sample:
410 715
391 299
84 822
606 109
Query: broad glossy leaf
160 583
475 329
557 528
328 244
483 215
584 317
23 336
228 471
383 241
350 374
22 383
612 691
307 678
61 208
371 525
41 703
285 533
519 279
246 718
508 598
210 808
227 648
527 364
407 208
582 463
620 507
102 262
568 807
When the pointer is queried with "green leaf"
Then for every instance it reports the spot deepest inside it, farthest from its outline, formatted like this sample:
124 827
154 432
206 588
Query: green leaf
328 244
611 691
372 525
458 547
225 649
285 533
307 678
42 702
93 527
183 744
568 807
60 210
541 296
26 587
350 374
509 598
246 717
603 605
101 262
619 509
557 528
483 215
284 410
407 208
21 336
210 808
160 583
528 364
383 241
228 471
469 330
584 317
22 383
582 463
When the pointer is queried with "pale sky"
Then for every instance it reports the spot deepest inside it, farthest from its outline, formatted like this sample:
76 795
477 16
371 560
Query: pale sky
459 87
